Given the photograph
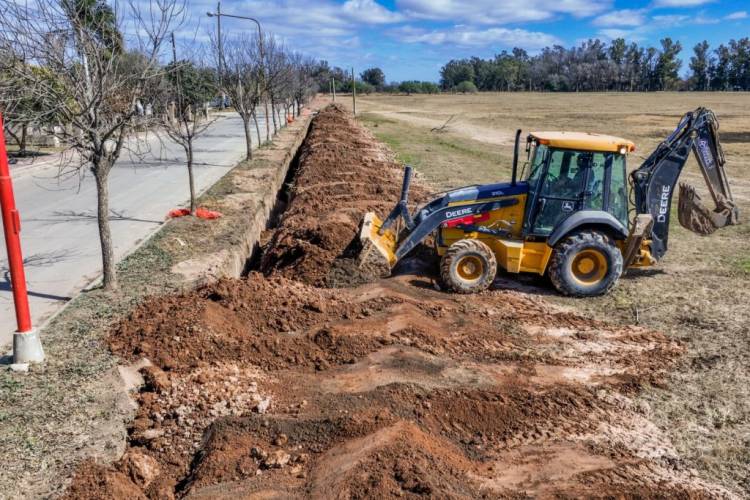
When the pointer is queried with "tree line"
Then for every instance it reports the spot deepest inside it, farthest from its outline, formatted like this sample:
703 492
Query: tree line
597 66
368 81
66 67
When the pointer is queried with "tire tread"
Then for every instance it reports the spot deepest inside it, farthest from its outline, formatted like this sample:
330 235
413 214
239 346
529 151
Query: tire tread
462 247
562 250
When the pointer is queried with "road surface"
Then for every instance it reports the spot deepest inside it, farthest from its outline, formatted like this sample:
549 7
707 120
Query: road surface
59 234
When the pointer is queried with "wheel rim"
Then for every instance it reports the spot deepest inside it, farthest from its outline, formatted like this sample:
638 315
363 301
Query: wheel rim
470 268
589 267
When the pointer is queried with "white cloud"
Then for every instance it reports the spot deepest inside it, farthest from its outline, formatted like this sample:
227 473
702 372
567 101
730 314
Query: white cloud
500 12
367 11
671 20
704 19
625 17
742 14
321 28
680 3
635 35
470 37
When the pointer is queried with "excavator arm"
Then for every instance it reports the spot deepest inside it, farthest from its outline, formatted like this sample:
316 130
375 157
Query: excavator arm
654 181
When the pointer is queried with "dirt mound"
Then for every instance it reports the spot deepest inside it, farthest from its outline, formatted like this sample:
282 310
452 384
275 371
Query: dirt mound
271 387
94 482
343 173
236 321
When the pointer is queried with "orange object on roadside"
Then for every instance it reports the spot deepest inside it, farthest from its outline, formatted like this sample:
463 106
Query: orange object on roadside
201 213
289 119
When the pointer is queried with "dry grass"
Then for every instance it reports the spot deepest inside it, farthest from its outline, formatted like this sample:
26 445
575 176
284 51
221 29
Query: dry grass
699 293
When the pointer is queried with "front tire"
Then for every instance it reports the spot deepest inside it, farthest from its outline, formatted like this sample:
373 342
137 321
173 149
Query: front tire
585 264
468 266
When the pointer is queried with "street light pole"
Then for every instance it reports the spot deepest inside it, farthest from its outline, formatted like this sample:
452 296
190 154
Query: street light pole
27 346
218 15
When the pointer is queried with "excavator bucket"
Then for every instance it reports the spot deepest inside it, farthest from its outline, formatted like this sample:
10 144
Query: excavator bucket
379 239
378 253
692 213
696 217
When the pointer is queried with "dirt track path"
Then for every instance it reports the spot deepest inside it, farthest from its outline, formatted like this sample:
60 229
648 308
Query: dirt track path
457 124
275 387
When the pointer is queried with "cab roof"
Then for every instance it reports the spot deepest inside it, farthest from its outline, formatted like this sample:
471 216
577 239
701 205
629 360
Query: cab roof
583 141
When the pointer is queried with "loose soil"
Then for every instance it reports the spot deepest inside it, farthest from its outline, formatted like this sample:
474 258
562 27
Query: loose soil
284 384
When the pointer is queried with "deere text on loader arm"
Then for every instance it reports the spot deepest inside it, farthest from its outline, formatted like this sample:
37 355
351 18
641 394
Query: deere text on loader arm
570 215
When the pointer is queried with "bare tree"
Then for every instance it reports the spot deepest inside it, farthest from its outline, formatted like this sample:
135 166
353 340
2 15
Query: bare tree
242 80
303 84
98 82
181 112
277 75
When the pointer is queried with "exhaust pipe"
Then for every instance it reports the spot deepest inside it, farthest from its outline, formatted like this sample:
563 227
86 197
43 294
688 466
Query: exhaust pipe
515 158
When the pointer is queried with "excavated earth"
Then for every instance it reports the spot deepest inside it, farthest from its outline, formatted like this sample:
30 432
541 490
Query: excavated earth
301 381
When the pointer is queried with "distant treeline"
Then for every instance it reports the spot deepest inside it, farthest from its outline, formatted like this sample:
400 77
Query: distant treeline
597 66
370 80
592 66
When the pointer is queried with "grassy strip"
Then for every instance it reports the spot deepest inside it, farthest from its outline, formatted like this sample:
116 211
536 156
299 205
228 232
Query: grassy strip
442 157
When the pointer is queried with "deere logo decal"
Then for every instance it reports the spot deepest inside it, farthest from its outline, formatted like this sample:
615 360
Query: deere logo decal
664 204
458 213
706 154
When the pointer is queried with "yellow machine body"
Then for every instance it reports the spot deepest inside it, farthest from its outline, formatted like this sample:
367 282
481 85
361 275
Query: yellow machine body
513 254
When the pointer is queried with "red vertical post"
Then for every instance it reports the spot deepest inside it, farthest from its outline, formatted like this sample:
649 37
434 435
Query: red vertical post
12 230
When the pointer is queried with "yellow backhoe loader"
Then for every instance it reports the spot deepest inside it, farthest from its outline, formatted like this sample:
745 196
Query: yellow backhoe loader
570 215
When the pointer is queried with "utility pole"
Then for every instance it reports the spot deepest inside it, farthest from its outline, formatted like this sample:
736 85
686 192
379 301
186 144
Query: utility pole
354 93
221 54
333 86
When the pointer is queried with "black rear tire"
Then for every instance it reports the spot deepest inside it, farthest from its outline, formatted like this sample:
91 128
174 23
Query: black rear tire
468 266
585 264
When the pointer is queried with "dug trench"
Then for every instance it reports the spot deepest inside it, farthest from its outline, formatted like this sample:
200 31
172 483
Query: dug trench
302 379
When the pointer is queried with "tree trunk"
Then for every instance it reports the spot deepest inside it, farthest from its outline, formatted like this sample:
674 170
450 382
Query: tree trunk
22 143
105 235
273 116
191 178
257 128
248 137
268 123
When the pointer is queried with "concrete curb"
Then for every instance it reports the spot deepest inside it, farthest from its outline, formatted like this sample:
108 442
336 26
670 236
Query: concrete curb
257 208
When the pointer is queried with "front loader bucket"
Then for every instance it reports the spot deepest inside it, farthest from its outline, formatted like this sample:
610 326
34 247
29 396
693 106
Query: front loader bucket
378 254
696 217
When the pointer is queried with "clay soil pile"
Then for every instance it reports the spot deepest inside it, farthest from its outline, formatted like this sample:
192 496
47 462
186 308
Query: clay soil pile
275 386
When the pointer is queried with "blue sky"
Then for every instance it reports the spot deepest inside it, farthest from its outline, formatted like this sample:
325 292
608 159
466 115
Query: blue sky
412 39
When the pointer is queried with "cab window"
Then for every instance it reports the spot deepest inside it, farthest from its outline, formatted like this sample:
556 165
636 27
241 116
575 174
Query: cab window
537 165
598 163
618 191
560 194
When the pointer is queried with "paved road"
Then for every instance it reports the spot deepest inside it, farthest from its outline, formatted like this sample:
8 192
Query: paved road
59 234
